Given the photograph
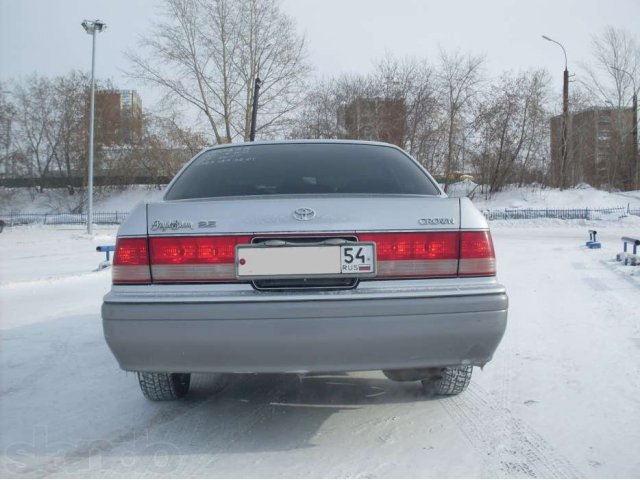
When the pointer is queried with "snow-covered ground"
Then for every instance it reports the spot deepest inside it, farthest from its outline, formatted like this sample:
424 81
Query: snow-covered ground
535 196
560 398
59 201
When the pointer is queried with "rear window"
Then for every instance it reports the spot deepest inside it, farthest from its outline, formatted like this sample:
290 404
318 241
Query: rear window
301 168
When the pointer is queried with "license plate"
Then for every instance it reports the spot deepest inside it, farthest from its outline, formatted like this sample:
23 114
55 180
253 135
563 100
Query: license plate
301 261
357 259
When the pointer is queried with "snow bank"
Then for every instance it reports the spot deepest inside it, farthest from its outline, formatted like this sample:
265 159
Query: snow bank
58 200
538 197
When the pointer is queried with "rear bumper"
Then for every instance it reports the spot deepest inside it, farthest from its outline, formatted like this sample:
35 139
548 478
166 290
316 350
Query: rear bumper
253 332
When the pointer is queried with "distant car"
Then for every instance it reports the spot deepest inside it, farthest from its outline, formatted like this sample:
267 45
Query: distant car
304 256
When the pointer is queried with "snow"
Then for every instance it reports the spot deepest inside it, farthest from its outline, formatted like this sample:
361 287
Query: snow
127 199
560 398
58 200
582 196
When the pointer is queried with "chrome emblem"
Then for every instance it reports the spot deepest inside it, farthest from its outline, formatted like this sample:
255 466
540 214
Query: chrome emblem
436 221
207 224
304 214
171 225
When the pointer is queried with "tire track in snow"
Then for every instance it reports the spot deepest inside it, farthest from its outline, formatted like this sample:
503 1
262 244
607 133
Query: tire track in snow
243 426
63 464
513 449
53 280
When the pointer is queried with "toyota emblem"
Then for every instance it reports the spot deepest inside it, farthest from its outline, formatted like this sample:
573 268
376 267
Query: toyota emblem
304 214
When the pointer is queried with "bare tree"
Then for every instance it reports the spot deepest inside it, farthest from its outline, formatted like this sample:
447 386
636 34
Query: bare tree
459 77
69 123
319 116
414 81
610 79
164 148
49 134
35 121
7 124
397 102
614 51
207 53
452 118
511 129
325 105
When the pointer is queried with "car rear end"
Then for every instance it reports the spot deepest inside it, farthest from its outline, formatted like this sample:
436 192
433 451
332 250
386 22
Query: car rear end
304 257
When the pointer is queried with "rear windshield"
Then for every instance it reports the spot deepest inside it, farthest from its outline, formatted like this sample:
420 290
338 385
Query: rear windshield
301 168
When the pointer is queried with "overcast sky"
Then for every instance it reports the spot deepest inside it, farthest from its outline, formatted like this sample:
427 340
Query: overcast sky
45 36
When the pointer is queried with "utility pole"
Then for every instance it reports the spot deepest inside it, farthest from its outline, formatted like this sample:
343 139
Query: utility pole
565 117
565 126
635 135
254 110
92 27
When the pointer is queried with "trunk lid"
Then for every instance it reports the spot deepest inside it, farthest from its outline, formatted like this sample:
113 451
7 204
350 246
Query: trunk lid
257 215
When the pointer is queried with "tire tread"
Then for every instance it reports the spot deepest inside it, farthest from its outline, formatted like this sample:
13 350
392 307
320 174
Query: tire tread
450 381
164 386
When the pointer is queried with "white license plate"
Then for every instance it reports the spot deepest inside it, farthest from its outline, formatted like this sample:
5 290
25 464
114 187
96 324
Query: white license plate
353 260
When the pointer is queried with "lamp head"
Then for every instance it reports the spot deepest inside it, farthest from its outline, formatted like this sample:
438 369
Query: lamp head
93 26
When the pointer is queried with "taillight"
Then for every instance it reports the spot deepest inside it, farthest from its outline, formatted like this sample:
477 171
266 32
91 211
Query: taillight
194 259
212 259
131 261
477 256
415 255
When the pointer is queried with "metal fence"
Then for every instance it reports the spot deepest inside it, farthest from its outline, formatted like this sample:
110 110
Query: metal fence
558 213
99 218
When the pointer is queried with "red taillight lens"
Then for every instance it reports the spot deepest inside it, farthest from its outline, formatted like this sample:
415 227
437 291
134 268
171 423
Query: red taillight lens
131 261
477 256
415 255
414 246
212 259
194 259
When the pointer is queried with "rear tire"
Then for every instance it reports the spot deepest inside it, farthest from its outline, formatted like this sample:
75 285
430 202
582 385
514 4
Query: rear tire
164 386
449 381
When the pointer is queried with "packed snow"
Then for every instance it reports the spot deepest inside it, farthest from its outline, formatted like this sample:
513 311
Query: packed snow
560 398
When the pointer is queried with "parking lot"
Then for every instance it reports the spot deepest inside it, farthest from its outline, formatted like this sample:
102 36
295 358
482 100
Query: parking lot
560 399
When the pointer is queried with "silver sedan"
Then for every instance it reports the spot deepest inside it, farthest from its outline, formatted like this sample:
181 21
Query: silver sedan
304 256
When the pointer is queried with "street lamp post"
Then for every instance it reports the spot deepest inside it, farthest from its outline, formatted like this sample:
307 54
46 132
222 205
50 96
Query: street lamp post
92 27
634 132
565 113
